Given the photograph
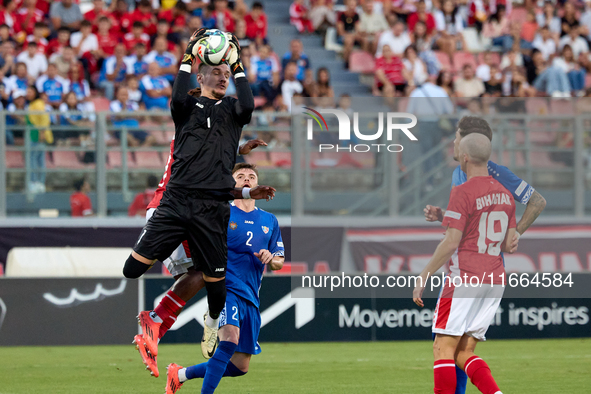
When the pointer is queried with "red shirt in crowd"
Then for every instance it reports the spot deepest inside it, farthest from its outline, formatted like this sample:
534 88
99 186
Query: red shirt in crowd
224 21
179 20
25 20
138 16
392 68
256 28
42 44
130 41
414 18
80 204
140 203
107 43
54 46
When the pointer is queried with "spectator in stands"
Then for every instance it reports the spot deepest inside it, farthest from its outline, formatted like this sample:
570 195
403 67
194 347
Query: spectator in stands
322 88
80 204
545 43
72 115
401 9
389 78
40 136
141 200
493 87
348 29
135 137
64 61
163 30
136 35
414 71
17 81
528 30
514 58
114 71
479 11
445 82
107 39
483 69
545 78
156 89
309 84
323 16
35 61
296 54
120 13
396 38
264 74
585 20
423 43
7 59
176 18
299 17
549 19
194 23
52 85
468 85
66 13
421 15
19 103
290 84
39 33
371 24
575 41
243 40
8 13
136 61
256 24
575 73
208 17
85 42
569 19
6 35
96 12
142 13
223 16
166 60
62 40
449 26
77 84
25 18
133 88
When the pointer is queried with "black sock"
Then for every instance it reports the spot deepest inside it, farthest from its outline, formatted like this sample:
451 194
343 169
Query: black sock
134 268
216 297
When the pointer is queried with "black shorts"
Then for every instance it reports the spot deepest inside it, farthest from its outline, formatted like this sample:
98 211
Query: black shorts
193 216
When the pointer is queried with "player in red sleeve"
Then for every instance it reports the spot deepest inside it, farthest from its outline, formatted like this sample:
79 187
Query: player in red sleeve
80 203
480 221
256 23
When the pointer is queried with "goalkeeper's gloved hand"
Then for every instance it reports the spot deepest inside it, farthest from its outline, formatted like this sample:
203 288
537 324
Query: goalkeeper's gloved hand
234 58
189 57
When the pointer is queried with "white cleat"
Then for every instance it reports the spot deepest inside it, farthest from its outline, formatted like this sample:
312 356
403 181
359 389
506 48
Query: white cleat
209 342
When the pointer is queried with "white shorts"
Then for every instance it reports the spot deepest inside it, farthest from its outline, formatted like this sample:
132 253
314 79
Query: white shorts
467 310
178 263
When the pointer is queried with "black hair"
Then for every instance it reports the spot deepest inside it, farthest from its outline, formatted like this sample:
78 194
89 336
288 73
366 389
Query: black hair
257 4
79 183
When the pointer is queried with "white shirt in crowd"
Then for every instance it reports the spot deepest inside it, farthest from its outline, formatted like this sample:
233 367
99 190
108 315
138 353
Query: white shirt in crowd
483 72
288 89
90 43
396 44
418 70
547 47
443 23
579 45
36 65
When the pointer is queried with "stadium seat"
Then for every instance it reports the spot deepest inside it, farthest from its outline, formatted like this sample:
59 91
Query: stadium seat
101 104
260 158
281 159
66 159
114 160
14 159
462 58
148 159
444 61
495 56
361 62
518 15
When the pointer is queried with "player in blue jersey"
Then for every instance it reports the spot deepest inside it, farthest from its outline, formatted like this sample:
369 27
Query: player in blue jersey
254 241
520 189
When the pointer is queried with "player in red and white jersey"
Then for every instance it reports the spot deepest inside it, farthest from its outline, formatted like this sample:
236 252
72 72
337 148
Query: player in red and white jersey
480 220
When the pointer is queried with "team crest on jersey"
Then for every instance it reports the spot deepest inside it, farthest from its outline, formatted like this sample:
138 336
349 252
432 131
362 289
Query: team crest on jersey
265 229
233 225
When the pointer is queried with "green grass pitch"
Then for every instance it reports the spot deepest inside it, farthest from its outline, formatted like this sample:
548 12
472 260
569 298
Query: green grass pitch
520 366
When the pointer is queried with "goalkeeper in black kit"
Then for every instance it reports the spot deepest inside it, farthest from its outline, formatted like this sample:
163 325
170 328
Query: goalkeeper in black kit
195 206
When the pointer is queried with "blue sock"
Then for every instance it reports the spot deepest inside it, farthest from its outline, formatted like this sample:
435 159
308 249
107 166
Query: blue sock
461 381
216 366
198 371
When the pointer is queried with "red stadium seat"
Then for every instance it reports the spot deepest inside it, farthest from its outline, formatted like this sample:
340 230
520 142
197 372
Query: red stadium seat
496 57
148 160
361 62
444 61
518 15
114 160
101 104
14 159
462 58
281 159
67 159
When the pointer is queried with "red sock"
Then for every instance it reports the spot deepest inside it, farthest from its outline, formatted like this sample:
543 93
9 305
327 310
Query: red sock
480 376
170 306
165 326
444 372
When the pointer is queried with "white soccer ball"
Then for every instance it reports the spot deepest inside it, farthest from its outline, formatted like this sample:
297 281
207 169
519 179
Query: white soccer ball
214 49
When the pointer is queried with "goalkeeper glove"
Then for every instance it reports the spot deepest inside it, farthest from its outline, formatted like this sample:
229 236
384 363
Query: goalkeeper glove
189 57
234 58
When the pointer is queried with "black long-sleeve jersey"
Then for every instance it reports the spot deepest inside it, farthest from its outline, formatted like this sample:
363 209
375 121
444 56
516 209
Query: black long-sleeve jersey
207 133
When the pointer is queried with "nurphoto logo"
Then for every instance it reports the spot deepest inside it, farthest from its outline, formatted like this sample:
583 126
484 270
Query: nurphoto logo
392 125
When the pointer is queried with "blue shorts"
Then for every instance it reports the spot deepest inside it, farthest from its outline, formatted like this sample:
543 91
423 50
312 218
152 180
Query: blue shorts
244 315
